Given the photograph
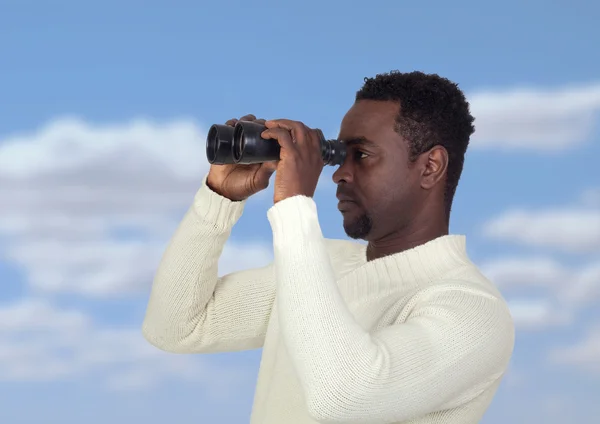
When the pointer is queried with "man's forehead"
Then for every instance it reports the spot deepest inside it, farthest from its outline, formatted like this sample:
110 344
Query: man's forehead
369 120
373 110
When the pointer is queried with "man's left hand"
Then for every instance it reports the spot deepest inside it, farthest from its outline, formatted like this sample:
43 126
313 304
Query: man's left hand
301 162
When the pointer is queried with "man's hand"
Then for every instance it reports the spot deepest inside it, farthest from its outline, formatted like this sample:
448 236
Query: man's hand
300 163
238 181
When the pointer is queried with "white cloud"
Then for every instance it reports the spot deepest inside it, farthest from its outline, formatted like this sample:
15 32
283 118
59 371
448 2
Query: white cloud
536 271
73 177
573 229
538 314
591 197
584 288
535 119
82 203
103 267
240 256
68 145
530 118
35 314
565 290
584 354
39 342
575 286
94 267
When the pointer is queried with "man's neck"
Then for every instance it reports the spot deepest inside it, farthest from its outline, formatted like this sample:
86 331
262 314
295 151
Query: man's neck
404 240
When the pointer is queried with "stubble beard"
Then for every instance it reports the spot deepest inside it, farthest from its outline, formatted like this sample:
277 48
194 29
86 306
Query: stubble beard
359 228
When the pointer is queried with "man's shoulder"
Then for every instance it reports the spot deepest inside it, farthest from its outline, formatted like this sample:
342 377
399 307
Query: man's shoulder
466 290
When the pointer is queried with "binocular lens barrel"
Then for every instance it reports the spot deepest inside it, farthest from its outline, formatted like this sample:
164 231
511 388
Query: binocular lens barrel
243 144
218 144
249 147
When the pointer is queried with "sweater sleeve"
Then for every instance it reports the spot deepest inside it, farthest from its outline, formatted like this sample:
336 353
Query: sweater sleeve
191 309
456 342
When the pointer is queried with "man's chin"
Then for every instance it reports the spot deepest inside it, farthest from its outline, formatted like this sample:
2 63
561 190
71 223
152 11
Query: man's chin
357 228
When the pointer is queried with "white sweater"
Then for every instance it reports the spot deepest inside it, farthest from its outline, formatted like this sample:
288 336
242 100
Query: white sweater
420 336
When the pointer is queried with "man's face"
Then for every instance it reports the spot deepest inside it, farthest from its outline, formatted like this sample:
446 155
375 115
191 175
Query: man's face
376 187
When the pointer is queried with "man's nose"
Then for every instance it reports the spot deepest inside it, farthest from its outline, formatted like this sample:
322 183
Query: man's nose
343 173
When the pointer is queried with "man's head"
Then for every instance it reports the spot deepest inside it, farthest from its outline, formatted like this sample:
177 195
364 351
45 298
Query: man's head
407 134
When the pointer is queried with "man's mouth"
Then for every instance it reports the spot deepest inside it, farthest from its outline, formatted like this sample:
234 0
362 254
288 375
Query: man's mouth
346 204
345 201
344 197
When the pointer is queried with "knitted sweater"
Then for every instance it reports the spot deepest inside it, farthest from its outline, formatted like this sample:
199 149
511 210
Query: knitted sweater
420 336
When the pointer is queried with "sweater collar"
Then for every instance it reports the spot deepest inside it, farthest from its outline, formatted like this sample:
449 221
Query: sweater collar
418 266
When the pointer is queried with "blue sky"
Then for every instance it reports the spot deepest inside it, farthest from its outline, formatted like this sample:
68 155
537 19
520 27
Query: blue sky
104 112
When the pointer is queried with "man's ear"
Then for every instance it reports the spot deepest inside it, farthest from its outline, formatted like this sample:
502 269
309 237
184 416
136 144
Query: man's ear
434 164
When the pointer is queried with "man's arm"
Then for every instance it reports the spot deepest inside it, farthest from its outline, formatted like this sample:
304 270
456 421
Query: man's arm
456 343
191 309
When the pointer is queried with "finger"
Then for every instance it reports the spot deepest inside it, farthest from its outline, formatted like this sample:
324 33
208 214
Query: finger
283 137
299 131
268 168
231 122
248 117
263 175
316 137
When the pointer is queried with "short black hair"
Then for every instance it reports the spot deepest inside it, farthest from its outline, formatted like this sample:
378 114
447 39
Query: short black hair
432 111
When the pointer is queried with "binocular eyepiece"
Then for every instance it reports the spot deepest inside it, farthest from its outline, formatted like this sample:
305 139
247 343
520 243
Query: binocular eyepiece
243 144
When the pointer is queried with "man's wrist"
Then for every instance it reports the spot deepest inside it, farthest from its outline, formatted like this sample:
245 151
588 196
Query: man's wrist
212 207
219 192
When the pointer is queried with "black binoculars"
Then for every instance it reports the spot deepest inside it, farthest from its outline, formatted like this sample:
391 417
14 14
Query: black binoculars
243 144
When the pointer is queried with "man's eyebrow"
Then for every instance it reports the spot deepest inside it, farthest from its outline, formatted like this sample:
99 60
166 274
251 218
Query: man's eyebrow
359 141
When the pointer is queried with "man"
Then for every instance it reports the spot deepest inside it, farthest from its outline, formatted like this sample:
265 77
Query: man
405 329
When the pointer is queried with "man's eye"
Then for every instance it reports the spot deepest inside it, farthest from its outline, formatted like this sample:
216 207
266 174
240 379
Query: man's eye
360 155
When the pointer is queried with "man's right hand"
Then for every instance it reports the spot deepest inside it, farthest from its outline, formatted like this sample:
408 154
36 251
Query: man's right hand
237 182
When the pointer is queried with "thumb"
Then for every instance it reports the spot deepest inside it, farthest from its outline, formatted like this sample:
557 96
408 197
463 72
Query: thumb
263 174
267 168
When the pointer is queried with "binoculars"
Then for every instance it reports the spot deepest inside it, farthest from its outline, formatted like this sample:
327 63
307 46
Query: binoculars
243 144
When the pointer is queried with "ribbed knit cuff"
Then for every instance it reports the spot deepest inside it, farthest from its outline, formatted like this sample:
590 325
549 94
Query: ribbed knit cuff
294 219
218 210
